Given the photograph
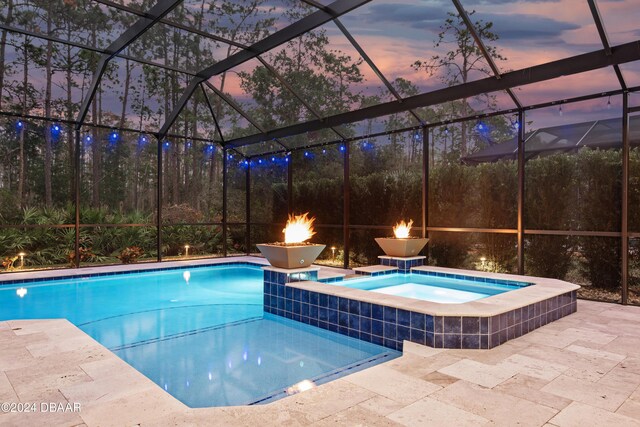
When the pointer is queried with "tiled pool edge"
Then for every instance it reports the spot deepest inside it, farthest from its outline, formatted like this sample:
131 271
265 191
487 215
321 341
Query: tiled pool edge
147 267
387 325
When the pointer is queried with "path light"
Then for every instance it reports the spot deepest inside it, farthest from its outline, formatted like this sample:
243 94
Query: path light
483 261
22 255
21 292
333 252
186 250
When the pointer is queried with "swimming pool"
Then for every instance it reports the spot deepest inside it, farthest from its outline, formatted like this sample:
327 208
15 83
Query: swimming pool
434 288
199 333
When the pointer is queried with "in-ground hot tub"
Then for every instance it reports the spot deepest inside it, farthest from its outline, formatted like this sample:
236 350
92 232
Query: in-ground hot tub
443 289
388 319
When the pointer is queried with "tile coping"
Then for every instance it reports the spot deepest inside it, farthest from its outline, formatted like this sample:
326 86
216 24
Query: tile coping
402 258
375 268
541 289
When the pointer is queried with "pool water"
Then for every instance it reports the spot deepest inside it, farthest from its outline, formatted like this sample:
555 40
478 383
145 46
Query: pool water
444 290
200 334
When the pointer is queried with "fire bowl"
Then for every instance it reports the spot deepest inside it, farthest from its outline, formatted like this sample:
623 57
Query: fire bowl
291 256
401 247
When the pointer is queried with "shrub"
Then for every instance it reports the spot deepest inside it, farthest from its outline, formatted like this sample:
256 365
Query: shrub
85 255
130 254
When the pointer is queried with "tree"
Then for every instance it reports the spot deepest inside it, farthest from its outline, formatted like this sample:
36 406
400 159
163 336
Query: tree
459 65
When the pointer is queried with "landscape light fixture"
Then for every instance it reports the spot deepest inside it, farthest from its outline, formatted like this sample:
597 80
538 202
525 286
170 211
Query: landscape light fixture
22 255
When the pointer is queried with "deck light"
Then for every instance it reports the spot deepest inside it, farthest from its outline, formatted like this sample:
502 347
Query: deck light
300 387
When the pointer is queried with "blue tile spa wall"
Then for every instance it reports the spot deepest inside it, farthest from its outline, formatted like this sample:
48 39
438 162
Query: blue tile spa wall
404 265
389 326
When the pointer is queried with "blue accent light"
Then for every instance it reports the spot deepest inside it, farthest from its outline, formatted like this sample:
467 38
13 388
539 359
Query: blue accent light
55 131
516 125
88 139
113 136
342 148
324 151
481 126
19 125
366 146
166 145
273 159
260 161
446 130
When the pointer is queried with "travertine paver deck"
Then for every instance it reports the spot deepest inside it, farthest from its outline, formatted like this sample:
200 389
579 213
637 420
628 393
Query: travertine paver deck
582 370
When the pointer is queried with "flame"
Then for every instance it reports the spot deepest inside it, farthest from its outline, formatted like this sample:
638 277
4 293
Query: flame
401 229
299 228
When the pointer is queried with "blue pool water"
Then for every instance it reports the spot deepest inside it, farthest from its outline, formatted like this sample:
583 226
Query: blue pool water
444 290
200 334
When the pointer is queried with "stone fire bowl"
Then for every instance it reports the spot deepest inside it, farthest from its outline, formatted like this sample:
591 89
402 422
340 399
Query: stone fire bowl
291 256
401 247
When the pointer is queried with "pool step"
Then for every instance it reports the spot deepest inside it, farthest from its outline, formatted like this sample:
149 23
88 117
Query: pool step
375 270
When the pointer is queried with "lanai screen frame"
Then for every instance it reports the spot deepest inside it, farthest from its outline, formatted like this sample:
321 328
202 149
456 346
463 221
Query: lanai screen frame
607 57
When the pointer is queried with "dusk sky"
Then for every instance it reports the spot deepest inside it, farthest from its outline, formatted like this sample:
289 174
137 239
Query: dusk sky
397 33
